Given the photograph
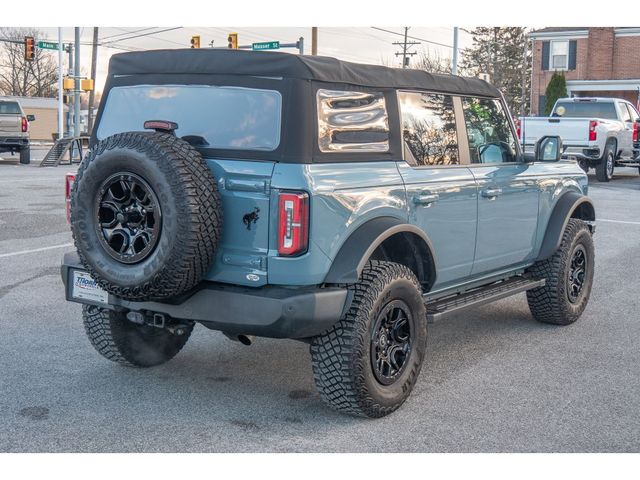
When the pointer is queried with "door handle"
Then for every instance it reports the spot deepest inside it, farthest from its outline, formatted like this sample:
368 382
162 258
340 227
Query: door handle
426 199
491 192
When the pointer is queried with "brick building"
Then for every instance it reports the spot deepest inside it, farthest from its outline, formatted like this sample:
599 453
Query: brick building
602 62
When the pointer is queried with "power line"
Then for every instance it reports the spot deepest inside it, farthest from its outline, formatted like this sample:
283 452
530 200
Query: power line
414 38
148 34
126 32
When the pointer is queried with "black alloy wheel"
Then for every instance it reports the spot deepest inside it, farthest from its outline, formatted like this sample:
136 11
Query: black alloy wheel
577 273
129 219
391 342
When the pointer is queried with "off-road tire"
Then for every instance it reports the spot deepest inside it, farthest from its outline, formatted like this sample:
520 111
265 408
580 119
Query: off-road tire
25 155
550 303
190 207
121 341
606 165
341 357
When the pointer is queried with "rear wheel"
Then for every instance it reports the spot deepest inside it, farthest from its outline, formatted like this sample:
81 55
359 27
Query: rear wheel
604 169
121 341
368 363
25 155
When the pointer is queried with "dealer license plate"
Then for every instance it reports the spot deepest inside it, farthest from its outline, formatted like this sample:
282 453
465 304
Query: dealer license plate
85 288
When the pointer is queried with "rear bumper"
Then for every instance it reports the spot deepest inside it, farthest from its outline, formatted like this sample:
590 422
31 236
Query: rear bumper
582 153
269 311
12 143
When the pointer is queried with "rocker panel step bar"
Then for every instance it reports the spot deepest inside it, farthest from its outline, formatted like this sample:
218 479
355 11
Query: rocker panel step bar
444 307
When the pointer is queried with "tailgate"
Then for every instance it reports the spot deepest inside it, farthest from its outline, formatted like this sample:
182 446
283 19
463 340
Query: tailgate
242 253
572 131
10 124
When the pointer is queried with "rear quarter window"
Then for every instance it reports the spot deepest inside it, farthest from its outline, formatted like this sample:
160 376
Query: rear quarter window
233 118
352 121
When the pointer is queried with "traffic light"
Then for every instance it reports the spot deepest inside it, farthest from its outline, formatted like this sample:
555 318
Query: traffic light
233 40
29 48
195 41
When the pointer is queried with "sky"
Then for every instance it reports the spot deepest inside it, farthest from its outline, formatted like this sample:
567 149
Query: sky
357 44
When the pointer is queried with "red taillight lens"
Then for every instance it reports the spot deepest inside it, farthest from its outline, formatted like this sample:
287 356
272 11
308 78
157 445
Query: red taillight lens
293 223
635 132
69 180
25 124
593 135
518 126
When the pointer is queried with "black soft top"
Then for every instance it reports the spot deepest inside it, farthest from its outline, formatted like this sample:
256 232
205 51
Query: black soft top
304 67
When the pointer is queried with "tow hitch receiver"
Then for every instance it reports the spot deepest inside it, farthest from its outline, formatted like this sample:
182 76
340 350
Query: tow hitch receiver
157 320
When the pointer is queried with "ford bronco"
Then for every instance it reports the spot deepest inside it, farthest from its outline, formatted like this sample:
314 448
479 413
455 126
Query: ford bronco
344 205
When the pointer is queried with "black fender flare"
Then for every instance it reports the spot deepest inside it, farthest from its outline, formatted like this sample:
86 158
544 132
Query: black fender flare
358 248
564 209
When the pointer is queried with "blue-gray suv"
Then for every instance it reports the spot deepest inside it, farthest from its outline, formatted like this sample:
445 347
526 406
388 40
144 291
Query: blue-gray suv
343 205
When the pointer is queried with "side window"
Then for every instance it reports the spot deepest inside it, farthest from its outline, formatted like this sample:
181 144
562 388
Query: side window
625 113
488 130
429 128
633 113
350 121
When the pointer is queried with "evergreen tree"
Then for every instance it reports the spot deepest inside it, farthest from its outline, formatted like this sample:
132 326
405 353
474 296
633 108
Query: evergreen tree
500 52
556 89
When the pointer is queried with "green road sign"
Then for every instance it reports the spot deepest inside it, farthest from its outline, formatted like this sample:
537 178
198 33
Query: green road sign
265 45
48 45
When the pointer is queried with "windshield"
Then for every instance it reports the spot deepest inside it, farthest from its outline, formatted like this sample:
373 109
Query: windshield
586 110
10 108
235 118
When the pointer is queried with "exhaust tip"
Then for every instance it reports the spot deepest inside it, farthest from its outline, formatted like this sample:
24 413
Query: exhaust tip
245 339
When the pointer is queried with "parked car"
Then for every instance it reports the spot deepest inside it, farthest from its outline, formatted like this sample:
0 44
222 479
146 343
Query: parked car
14 130
343 205
599 133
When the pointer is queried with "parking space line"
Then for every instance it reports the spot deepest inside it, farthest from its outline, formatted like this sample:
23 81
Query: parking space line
24 252
617 221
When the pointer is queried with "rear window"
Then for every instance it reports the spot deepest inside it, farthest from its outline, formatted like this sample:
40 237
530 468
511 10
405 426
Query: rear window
10 108
586 110
234 118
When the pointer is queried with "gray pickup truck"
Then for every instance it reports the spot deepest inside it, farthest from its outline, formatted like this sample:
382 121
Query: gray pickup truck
342 205
14 130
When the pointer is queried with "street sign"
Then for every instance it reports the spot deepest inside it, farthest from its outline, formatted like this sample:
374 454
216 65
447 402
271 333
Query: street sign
48 45
265 45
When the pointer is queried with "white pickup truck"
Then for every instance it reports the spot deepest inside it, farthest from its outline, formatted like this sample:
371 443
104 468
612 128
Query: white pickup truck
599 133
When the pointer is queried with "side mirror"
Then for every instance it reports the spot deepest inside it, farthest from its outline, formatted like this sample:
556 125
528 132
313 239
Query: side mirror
31 118
548 149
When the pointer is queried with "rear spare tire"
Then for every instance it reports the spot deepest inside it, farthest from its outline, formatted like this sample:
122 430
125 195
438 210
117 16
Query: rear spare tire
145 215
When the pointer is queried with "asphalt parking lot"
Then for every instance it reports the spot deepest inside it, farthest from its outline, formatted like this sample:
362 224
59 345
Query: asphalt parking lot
494 381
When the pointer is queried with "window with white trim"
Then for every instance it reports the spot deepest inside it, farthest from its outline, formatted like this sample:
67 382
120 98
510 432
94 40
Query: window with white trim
559 58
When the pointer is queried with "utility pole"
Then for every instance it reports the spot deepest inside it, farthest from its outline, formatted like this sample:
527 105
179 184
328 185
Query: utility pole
92 96
60 91
454 66
76 89
314 40
70 75
406 54
524 72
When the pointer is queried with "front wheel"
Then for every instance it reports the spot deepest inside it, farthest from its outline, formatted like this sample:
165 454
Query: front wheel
569 278
121 341
368 363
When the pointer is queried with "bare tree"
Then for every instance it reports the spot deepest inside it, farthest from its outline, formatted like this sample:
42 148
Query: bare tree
18 76
432 62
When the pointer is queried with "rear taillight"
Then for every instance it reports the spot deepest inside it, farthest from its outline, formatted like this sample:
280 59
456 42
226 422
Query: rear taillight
635 131
293 223
518 126
593 135
25 124
69 180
